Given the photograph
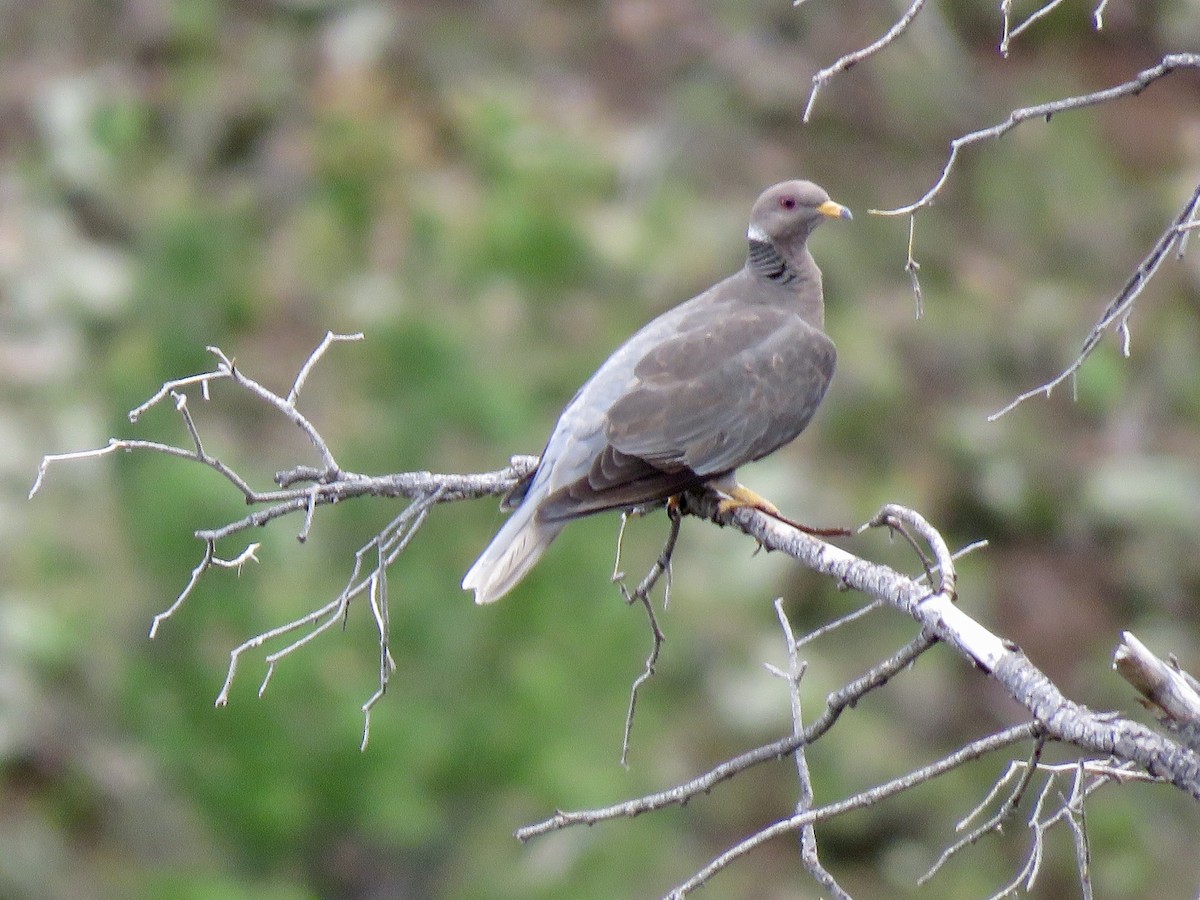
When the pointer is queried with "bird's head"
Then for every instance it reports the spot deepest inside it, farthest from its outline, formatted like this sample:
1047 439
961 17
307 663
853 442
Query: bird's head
785 214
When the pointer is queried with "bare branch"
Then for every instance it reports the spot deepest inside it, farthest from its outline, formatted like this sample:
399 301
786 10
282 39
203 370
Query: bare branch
912 267
840 621
1045 111
1077 819
835 704
1011 35
321 486
200 569
968 753
287 407
302 375
173 387
662 566
808 836
112 447
850 60
1167 691
1118 310
1063 719
1007 810
1087 776
387 665
209 560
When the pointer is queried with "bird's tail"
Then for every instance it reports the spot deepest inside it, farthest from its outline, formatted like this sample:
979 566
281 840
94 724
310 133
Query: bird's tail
512 553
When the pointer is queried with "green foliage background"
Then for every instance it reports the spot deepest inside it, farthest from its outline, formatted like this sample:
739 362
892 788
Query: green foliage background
496 194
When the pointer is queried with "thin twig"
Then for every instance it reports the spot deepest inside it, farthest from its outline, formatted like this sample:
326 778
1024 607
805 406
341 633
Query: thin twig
302 375
1118 310
809 856
1045 111
1011 35
174 386
1076 817
861 800
1087 777
662 566
1007 809
837 702
839 622
848 61
201 568
285 406
387 665
912 267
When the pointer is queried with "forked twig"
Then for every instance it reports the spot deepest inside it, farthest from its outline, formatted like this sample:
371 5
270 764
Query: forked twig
641 594
304 488
1007 809
1011 34
861 800
835 704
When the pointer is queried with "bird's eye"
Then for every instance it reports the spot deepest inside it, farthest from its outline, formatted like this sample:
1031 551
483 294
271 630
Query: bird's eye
787 202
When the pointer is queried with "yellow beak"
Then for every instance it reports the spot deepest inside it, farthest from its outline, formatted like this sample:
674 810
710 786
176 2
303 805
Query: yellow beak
834 210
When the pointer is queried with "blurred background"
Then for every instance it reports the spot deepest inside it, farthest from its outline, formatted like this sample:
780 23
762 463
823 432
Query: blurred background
496 194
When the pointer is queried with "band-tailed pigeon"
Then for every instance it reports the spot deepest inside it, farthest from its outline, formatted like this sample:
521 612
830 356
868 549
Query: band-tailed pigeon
724 379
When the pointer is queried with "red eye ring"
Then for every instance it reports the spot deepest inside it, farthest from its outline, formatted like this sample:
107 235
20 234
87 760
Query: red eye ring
787 202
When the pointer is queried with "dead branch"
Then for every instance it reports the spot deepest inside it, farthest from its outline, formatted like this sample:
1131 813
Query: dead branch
850 60
1167 690
641 595
808 835
1062 719
1119 310
319 486
1010 34
835 704
1007 810
862 800
1053 717
1045 111
929 599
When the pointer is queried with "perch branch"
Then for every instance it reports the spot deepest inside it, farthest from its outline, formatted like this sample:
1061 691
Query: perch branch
1063 719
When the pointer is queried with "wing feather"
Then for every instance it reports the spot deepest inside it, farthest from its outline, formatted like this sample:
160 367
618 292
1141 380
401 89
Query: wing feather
722 392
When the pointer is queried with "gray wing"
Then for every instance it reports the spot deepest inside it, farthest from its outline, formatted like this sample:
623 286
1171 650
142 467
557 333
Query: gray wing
731 386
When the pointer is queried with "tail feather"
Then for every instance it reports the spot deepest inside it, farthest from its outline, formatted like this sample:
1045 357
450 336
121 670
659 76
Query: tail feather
510 555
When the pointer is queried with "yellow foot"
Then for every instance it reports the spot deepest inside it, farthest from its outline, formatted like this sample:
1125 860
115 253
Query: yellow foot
741 496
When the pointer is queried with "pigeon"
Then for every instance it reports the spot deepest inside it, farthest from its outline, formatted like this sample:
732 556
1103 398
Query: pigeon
719 381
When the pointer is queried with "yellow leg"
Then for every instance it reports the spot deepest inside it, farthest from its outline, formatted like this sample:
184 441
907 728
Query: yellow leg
740 496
